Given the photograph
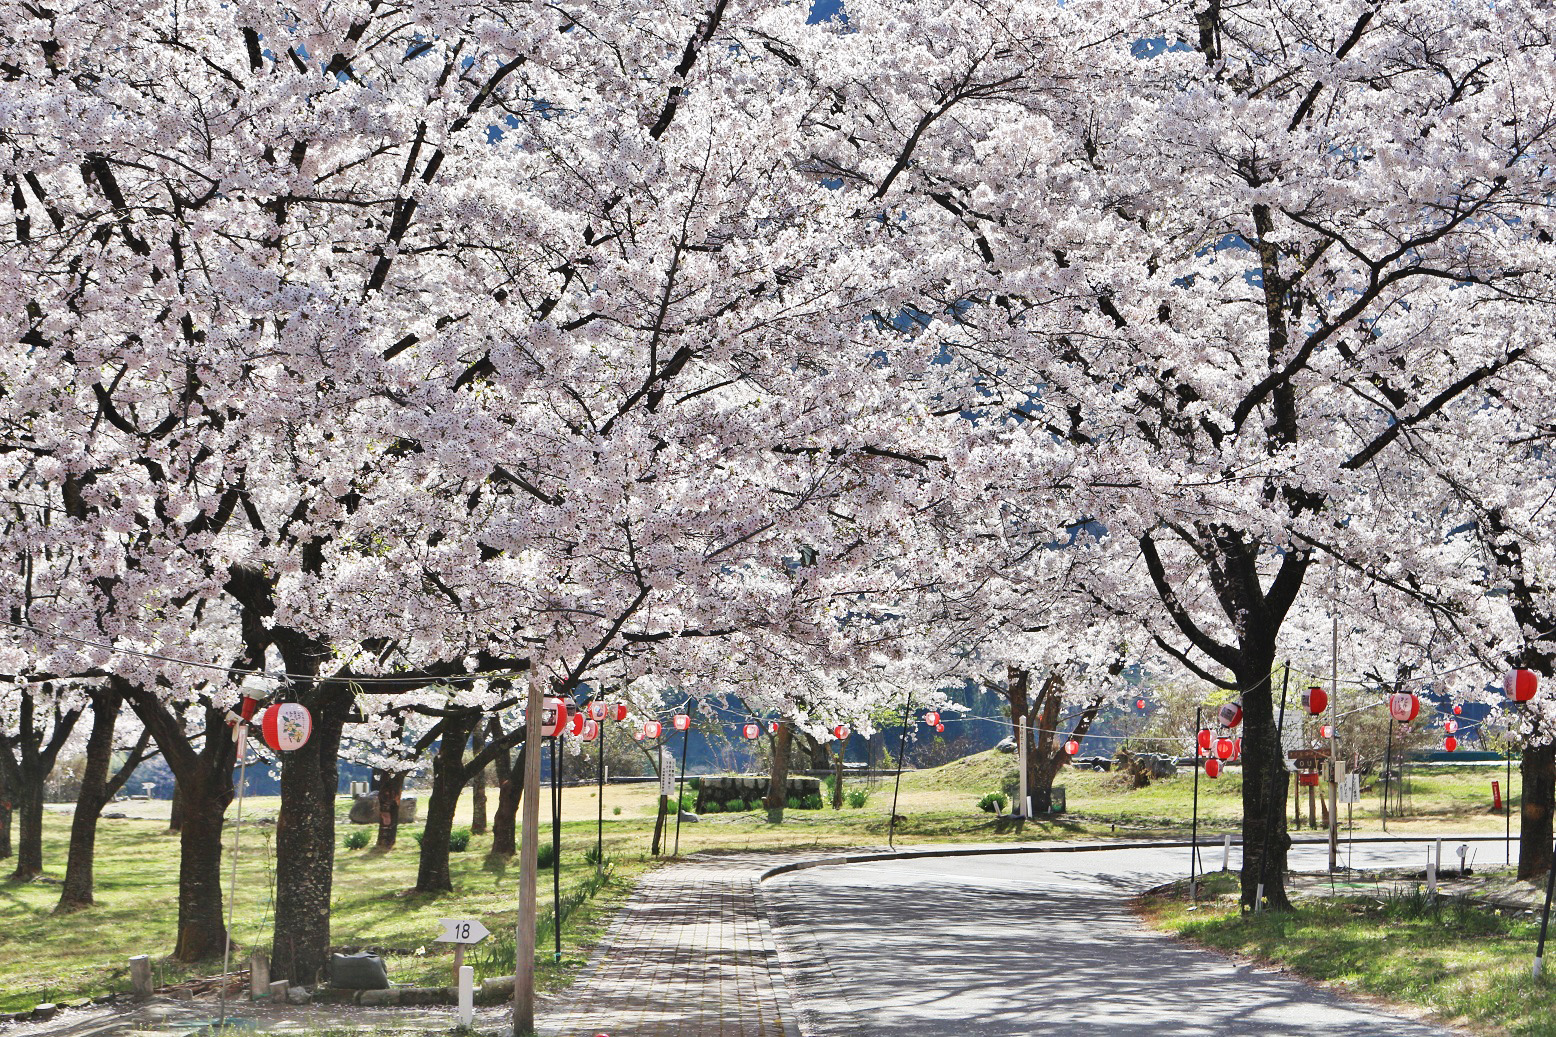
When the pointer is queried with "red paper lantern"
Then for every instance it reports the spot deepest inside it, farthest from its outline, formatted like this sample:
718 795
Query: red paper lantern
1237 748
591 730
1404 707
1315 700
575 725
1204 739
1140 704
553 716
652 729
1450 743
940 727
1521 685
1325 731
1072 747
1457 710
637 736
1224 748
1452 727
621 712
1212 768
597 710
751 731
682 721
1231 714
772 727
840 732
246 708
286 726
931 718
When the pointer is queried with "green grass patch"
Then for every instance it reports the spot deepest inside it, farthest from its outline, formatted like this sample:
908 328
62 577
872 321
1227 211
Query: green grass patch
1463 963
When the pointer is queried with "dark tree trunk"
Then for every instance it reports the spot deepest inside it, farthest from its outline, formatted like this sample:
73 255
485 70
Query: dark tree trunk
201 930
1535 820
29 843
1045 759
1265 786
305 842
448 781
5 816
510 788
778 787
478 788
94 793
391 786
175 819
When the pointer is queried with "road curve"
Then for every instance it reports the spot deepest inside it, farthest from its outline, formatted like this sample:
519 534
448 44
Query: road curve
1021 945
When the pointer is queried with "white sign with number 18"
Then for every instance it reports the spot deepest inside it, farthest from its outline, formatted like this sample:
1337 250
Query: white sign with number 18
461 930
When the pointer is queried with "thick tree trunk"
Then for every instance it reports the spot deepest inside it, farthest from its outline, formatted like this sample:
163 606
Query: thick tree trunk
77 892
175 818
1536 818
200 926
5 817
448 781
478 788
1265 785
391 786
305 847
29 842
509 790
778 786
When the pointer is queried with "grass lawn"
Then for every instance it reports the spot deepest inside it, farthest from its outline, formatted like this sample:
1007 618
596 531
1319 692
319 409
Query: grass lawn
44 957
1464 965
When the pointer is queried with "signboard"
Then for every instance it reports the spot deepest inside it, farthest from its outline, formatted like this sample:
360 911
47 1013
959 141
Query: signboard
1350 788
667 783
461 930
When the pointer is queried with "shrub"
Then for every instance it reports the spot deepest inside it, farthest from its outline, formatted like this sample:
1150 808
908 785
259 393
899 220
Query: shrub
689 799
735 806
616 811
812 801
713 808
858 797
993 803
459 840
356 839
545 853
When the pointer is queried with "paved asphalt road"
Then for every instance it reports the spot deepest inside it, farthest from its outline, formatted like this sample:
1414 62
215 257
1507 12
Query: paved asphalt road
1001 946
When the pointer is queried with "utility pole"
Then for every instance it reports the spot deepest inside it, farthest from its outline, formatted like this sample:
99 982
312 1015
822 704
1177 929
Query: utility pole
1334 727
529 834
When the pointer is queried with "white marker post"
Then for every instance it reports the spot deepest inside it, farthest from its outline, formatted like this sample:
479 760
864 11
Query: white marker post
1021 764
462 932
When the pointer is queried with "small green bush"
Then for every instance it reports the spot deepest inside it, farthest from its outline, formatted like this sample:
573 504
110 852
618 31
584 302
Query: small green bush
459 840
993 803
356 839
812 801
858 797
616 811
713 808
545 853
735 806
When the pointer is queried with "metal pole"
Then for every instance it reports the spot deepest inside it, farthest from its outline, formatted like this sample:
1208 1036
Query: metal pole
1545 916
556 846
1194 829
1507 806
599 821
1334 735
1269 792
524 933
1388 759
902 749
232 882
686 737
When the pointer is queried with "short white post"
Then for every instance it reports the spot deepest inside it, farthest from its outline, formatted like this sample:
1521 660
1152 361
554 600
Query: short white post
140 976
466 996
1226 852
1021 766
278 988
1431 872
259 975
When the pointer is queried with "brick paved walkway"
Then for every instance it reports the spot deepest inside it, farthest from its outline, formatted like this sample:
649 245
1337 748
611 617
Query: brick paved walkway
691 955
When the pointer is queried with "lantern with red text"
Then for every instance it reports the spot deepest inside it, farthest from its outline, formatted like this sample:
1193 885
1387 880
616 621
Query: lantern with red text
1231 714
1315 700
1072 747
1224 748
1212 768
840 732
1404 707
1521 685
1450 743
286 726
682 722
751 730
